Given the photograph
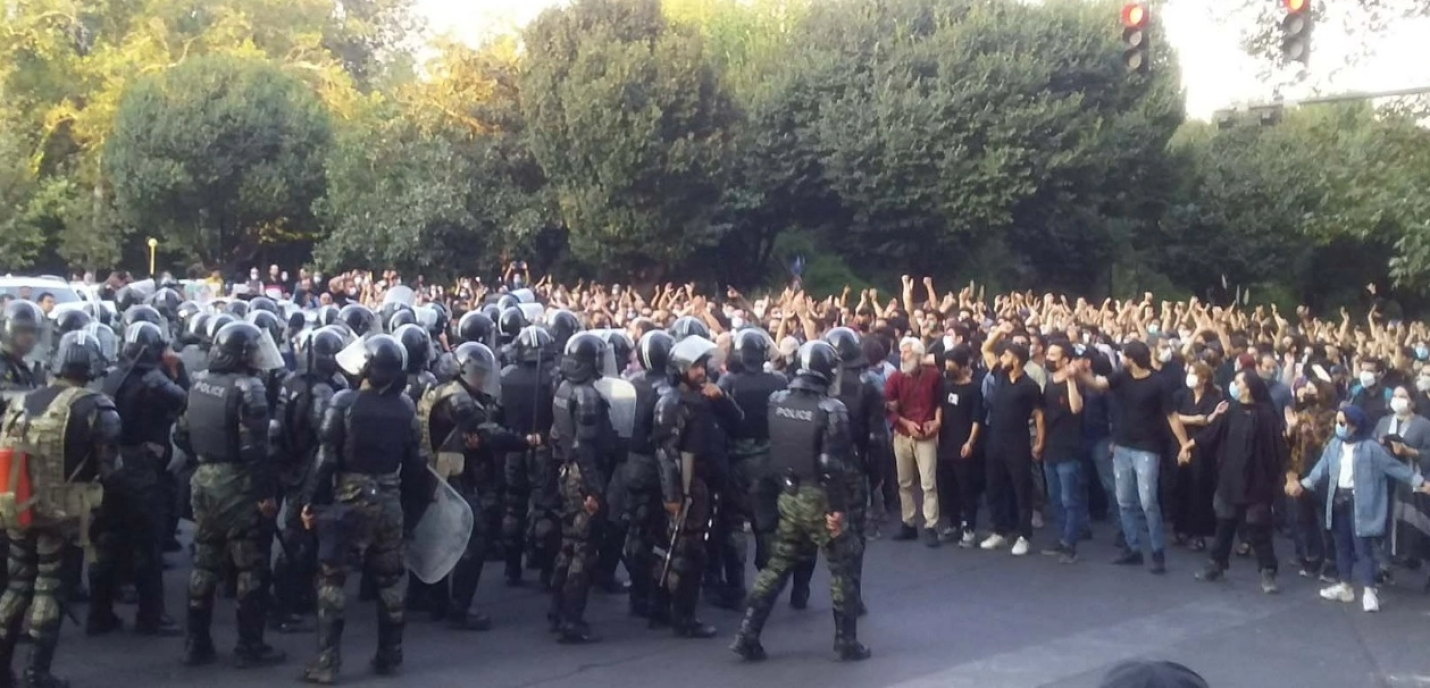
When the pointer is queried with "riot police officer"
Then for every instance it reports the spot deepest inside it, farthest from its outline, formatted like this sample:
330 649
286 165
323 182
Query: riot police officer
370 483
750 386
225 428
360 319
863 398
645 520
149 390
563 325
530 522
510 324
461 423
19 334
45 424
582 440
809 451
307 393
689 442
418 345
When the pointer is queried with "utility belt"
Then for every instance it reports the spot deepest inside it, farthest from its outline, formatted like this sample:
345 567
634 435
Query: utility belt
146 455
793 481
358 486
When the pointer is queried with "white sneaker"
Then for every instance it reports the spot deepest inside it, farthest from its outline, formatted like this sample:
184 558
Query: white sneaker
1369 601
1340 592
968 540
1020 547
994 541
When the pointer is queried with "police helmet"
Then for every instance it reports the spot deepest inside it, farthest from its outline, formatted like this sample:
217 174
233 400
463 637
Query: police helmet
79 357
217 322
327 315
320 351
167 302
236 346
237 308
386 360
847 344
689 325
818 360
476 327
21 329
263 303
70 321
533 344
583 357
267 320
401 317
511 323
653 351
147 314
563 324
418 345
621 346
753 346
476 365
359 319
144 342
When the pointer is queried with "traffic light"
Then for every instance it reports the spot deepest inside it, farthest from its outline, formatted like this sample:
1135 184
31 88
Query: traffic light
1296 31
1136 37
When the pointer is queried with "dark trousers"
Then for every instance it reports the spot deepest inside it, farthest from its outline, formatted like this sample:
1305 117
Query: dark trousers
1010 490
1355 555
959 486
1257 532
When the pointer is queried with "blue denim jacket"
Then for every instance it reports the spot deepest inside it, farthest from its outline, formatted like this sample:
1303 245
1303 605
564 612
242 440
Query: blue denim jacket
1373 464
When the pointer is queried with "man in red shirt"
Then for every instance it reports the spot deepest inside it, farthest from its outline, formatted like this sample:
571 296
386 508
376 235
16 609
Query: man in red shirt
911 397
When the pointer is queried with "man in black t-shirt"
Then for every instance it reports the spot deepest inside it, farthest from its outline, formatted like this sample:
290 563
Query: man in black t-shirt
1062 464
960 418
1145 413
1010 449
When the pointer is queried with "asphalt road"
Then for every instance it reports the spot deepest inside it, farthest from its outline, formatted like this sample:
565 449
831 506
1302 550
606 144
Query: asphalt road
940 618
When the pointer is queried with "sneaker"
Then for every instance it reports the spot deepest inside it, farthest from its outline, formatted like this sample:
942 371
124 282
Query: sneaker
1056 550
947 534
907 532
1069 556
1268 583
1020 547
1159 564
969 539
994 541
1369 601
930 538
1038 520
1212 573
1340 592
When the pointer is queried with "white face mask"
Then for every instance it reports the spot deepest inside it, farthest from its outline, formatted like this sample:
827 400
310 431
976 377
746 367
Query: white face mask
1192 381
1423 384
1400 405
1367 378
948 342
1164 355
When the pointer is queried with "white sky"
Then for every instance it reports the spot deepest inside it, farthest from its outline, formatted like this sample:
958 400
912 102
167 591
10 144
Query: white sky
1215 72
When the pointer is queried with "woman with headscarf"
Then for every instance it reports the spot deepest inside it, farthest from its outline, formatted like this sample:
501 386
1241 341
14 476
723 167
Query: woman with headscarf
1196 480
1309 426
1249 448
1355 468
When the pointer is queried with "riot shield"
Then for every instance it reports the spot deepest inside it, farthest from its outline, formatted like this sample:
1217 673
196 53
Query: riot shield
533 312
524 295
267 357
400 294
621 398
427 317
353 358
440 538
46 343
108 342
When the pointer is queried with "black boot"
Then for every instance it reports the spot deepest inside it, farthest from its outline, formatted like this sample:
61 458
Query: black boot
324 669
799 590
577 633
37 673
659 616
846 639
389 647
747 640
684 621
251 650
7 654
198 644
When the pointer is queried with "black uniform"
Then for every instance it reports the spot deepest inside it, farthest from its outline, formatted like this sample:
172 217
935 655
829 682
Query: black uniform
305 401
644 516
530 522
131 521
741 503
582 440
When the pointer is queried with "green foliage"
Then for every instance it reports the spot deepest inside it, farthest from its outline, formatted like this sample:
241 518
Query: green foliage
630 124
220 154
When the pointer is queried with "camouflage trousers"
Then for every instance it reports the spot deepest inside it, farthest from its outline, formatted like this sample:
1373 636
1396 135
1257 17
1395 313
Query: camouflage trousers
802 533
371 537
577 557
34 584
749 461
127 529
856 485
531 523
229 530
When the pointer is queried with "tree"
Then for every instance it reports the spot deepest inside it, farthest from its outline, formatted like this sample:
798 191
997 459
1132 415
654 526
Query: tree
219 155
630 124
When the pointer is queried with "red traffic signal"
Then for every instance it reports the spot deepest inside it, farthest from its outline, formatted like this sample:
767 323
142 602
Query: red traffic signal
1134 15
1294 5
1296 30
